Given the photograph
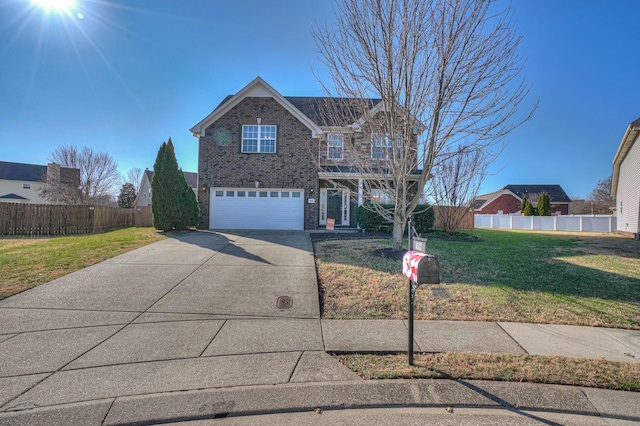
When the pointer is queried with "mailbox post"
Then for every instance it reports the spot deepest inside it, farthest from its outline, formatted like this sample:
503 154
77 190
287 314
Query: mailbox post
419 268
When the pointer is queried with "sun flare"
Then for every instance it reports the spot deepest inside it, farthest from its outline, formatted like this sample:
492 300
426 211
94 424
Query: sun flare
55 5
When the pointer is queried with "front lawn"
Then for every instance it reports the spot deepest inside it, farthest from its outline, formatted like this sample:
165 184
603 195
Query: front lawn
27 262
557 278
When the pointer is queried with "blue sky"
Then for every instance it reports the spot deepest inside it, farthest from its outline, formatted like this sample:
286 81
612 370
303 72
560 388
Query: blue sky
125 75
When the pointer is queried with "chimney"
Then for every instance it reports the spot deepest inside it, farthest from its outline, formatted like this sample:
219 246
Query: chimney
53 173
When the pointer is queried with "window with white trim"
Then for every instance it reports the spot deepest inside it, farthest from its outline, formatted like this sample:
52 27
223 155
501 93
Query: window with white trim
335 146
259 139
382 146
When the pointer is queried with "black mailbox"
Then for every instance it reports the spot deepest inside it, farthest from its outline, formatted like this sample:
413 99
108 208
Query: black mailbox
421 268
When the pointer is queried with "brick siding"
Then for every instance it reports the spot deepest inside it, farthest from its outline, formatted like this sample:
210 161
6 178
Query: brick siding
562 208
292 166
507 203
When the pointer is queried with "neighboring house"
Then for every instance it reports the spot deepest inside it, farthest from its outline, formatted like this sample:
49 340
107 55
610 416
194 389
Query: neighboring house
24 183
268 161
508 199
625 184
144 190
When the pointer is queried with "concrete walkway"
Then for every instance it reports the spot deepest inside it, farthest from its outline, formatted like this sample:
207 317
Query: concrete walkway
209 325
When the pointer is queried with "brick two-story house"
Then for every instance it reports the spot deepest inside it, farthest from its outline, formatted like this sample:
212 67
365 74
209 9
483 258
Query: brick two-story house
268 161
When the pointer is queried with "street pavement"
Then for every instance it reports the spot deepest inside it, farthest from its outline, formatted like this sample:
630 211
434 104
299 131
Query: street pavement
213 325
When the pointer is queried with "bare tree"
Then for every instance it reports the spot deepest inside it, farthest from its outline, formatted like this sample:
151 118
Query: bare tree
457 176
420 77
600 199
98 176
579 206
134 176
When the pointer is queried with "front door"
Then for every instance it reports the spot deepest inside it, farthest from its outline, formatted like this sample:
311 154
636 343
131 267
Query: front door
334 205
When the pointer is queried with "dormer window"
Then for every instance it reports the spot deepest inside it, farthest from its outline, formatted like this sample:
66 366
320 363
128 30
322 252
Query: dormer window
258 139
335 146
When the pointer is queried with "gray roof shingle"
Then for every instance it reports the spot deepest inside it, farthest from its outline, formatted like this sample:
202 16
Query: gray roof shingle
22 172
326 111
555 192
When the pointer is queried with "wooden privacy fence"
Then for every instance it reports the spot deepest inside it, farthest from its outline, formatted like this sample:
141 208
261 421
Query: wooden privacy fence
46 219
465 224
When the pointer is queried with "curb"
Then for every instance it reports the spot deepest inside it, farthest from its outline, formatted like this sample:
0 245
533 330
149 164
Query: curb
522 398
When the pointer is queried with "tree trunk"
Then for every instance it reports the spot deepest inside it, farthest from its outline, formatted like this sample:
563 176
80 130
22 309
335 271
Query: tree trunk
398 232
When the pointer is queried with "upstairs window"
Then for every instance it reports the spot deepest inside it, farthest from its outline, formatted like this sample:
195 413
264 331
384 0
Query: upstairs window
334 146
382 146
256 138
26 186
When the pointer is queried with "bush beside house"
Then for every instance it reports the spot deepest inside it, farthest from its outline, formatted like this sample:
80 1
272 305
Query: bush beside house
369 219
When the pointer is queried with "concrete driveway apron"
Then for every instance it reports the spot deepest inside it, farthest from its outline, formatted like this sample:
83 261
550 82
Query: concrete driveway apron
198 310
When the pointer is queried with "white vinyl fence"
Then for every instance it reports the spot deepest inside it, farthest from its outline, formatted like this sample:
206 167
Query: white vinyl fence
578 223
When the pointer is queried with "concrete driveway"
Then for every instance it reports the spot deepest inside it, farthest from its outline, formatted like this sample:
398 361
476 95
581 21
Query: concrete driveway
200 310
211 324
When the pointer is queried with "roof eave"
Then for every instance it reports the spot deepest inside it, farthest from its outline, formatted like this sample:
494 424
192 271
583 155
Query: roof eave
630 135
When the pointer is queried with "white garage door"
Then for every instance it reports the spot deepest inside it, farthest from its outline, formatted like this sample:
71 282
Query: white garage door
239 208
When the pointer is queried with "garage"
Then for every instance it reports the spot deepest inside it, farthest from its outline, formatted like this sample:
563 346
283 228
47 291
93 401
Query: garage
250 208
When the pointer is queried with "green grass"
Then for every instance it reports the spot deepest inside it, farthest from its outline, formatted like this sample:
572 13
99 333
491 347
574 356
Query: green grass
28 262
562 278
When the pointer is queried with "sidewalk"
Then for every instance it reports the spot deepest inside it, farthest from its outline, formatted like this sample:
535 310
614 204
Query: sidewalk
489 337
195 327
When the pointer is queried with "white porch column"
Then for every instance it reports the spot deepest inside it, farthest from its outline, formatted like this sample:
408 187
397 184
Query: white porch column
360 191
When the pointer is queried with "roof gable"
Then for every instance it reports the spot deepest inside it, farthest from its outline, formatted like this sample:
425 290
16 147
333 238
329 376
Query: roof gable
258 88
12 196
312 111
481 201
